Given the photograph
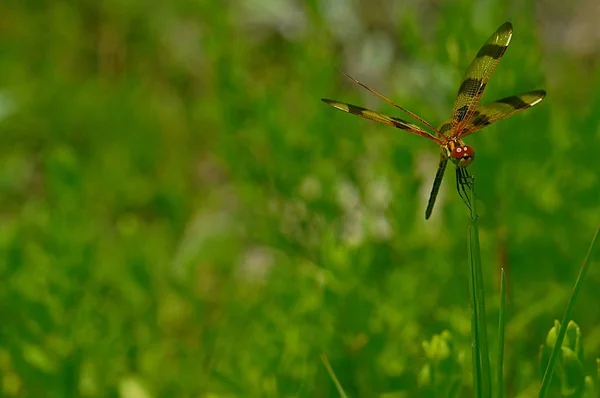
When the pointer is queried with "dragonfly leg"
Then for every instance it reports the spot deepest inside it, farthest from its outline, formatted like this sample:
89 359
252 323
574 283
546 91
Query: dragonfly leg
466 179
463 185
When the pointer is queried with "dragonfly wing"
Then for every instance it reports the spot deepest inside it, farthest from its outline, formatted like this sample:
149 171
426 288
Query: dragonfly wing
413 115
477 76
501 109
437 182
381 118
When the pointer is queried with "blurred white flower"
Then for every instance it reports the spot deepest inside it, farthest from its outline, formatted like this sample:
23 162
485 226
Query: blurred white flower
348 196
310 188
379 194
381 228
255 263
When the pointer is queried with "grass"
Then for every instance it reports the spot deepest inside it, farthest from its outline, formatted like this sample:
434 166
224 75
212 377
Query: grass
501 329
327 365
481 372
480 348
567 318
481 375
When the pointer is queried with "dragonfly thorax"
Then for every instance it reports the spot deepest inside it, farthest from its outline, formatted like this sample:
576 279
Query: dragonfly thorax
461 155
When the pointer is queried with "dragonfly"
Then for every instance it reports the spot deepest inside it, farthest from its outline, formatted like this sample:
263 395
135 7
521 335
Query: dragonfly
467 117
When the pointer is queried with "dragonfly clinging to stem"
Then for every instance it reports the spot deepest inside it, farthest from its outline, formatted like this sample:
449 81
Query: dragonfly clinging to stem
467 115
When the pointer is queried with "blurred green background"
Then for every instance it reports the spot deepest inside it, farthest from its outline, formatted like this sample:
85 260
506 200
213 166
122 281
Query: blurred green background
182 216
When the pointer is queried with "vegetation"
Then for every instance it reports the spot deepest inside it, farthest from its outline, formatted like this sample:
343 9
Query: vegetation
182 215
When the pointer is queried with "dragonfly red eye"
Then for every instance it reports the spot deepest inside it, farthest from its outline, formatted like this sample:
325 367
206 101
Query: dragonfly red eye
462 152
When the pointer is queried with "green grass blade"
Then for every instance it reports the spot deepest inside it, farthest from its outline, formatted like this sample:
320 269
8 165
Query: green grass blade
479 298
563 326
333 377
475 345
501 335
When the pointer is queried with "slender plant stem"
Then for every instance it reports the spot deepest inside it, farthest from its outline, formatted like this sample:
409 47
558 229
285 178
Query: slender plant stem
501 335
332 375
484 356
563 326
475 346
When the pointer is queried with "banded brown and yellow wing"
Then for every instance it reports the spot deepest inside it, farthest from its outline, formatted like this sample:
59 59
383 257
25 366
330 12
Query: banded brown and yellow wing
501 109
381 118
477 76
383 97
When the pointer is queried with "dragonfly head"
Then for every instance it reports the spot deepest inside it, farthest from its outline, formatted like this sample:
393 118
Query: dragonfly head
462 155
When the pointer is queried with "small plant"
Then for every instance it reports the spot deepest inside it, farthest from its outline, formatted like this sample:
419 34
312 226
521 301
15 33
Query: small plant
557 339
571 380
441 373
566 362
562 352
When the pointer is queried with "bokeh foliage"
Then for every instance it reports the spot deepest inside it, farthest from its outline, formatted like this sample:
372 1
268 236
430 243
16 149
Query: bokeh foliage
181 214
